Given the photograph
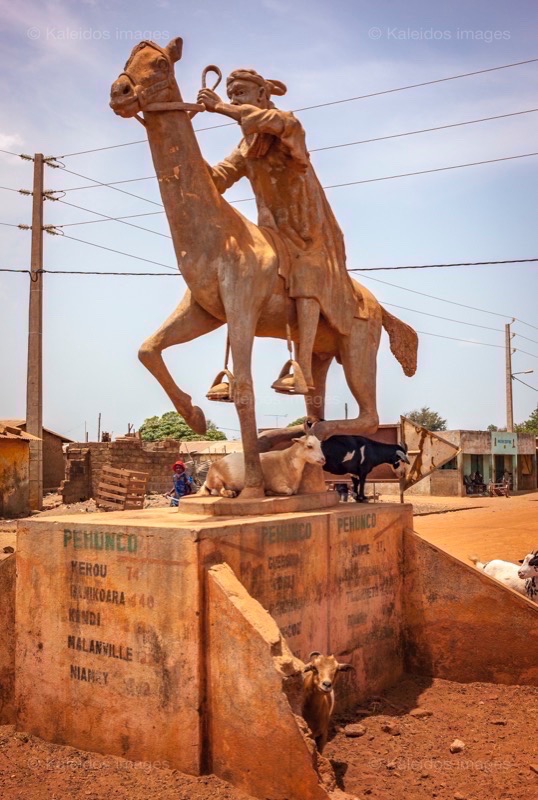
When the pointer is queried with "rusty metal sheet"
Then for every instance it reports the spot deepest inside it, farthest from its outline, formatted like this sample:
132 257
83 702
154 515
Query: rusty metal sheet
426 451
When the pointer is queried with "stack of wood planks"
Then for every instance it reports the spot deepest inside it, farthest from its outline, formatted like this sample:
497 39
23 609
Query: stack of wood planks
121 489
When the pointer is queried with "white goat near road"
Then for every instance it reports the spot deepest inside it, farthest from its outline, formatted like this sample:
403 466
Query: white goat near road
523 579
282 469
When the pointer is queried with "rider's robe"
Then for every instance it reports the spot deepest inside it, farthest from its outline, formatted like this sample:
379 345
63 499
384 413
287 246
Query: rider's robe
290 200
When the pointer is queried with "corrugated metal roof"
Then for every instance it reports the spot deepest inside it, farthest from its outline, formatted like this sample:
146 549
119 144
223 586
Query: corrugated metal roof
20 423
12 432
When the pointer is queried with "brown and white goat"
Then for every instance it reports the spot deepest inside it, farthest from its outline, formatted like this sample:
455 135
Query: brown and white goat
319 678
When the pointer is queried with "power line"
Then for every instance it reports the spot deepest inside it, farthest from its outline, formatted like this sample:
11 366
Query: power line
518 350
110 219
524 384
442 299
534 341
85 272
417 85
425 171
96 221
51 229
178 273
422 130
447 319
19 191
138 141
334 146
470 341
112 184
9 153
333 102
106 218
454 339
126 274
6 269
118 252
439 266
167 274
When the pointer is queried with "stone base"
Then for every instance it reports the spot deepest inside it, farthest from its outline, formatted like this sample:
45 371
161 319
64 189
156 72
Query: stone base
119 633
236 507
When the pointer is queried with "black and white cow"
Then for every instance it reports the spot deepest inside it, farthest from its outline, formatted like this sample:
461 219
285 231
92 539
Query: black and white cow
357 456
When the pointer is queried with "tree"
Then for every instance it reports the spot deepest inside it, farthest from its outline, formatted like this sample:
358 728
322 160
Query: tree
530 425
493 428
172 426
298 421
427 418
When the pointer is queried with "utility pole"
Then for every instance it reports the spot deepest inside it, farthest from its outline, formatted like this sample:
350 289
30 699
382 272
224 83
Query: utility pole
508 362
99 427
34 384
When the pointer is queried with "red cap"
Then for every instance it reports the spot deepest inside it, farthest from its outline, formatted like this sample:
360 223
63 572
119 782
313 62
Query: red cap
178 464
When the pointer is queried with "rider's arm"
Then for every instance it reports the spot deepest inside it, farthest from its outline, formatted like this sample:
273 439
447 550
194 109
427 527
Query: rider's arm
281 124
228 171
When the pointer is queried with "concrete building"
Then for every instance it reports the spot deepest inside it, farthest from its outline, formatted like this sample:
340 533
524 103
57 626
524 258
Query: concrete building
14 471
53 455
489 453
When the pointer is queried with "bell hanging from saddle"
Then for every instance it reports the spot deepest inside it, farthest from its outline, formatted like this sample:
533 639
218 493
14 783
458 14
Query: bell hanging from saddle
222 391
291 379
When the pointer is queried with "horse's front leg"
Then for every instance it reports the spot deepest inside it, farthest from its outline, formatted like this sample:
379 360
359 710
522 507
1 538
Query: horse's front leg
241 328
187 322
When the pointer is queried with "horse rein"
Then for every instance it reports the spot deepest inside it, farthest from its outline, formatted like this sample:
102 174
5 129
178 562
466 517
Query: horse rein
143 94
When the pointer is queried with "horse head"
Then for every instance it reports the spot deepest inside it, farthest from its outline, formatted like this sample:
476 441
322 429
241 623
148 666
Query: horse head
148 77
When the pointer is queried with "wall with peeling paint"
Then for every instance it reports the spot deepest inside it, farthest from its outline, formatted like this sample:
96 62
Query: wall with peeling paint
14 486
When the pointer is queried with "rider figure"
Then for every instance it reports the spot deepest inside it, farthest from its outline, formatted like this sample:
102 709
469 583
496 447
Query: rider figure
291 201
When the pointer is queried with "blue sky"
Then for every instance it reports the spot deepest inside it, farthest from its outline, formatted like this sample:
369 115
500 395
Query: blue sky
61 58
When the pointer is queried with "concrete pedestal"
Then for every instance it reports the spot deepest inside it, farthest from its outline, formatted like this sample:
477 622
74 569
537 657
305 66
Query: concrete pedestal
112 616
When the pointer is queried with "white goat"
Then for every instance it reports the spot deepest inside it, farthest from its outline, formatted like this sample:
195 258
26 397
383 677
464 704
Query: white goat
282 469
318 694
523 579
528 572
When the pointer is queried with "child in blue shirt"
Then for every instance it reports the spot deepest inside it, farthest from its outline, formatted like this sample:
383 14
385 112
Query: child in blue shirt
182 483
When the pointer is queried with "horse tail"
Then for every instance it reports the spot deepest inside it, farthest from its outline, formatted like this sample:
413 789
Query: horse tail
403 342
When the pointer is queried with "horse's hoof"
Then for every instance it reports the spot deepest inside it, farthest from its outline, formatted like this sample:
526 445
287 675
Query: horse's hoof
196 420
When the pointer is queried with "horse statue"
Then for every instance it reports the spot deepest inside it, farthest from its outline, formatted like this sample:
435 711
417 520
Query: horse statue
231 268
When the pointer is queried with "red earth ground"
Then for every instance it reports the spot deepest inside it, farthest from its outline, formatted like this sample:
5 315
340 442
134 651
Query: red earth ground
411 761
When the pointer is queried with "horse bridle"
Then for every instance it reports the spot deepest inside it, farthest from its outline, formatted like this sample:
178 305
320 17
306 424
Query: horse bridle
143 94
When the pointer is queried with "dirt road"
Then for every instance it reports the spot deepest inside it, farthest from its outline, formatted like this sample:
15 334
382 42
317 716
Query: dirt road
496 527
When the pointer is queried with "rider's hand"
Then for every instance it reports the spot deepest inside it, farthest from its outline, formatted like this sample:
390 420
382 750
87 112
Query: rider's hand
209 98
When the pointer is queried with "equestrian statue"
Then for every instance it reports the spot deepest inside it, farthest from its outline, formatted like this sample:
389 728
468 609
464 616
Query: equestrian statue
284 278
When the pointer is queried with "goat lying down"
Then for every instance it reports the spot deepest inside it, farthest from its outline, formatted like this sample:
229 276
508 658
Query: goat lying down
523 579
282 469
319 678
